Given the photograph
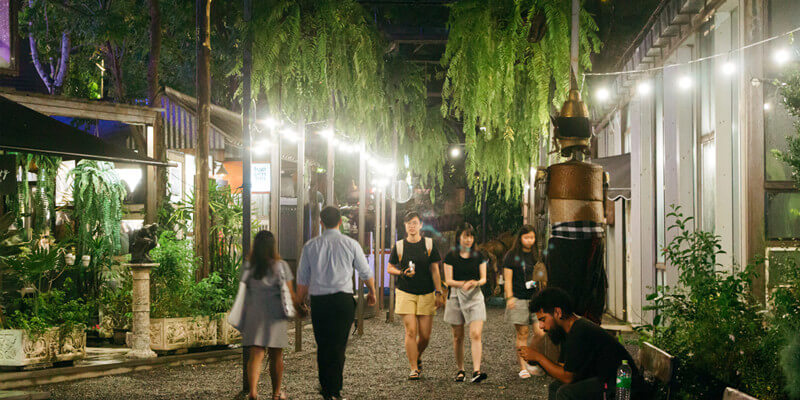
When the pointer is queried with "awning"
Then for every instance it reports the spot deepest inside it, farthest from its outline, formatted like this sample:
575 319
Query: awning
619 173
26 130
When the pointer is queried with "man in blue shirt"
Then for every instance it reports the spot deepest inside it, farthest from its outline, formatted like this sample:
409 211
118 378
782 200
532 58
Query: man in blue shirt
325 273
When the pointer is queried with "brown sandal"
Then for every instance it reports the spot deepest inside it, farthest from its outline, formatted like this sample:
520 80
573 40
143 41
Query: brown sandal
414 375
281 396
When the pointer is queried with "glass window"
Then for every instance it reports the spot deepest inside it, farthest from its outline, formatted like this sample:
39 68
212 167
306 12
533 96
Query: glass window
783 215
659 147
707 182
6 35
707 124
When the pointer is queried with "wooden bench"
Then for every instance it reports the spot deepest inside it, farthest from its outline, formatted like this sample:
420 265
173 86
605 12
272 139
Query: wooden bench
733 394
656 365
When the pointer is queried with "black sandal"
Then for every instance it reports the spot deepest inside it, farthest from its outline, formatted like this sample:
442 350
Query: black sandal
414 375
419 364
460 376
478 376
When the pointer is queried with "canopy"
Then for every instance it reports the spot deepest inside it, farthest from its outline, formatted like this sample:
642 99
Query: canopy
619 173
26 130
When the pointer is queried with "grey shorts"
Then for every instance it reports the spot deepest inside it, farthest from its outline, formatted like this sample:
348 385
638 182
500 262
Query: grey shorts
519 315
463 309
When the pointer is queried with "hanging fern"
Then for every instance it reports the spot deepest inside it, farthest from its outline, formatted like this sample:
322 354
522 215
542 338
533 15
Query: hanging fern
98 194
322 60
502 78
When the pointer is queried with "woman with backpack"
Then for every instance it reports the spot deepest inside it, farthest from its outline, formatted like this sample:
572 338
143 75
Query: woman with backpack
464 274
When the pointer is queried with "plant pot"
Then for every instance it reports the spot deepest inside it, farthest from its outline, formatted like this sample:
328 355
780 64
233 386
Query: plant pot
226 333
18 348
118 338
182 333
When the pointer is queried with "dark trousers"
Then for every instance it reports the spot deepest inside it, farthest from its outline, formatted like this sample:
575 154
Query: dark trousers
332 316
587 389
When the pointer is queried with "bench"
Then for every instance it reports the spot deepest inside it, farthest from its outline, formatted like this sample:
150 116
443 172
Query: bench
733 394
656 365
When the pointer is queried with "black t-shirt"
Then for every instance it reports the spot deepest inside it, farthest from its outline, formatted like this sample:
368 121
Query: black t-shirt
465 269
422 281
589 351
521 267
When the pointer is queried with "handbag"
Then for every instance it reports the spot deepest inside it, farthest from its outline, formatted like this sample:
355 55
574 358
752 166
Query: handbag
236 315
287 304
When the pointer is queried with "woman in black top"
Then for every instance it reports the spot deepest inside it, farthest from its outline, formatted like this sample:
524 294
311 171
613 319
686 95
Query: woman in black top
465 273
520 285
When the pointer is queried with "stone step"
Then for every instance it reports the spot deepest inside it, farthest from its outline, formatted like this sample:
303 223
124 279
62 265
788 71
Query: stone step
20 395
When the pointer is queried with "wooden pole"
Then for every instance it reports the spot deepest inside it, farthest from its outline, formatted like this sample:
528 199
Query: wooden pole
382 246
376 242
301 174
157 175
201 211
362 231
393 225
330 194
247 72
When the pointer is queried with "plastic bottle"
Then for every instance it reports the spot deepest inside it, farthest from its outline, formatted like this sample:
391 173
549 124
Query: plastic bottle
624 381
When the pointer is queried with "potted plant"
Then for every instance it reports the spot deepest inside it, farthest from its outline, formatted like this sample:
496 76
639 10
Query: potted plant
41 323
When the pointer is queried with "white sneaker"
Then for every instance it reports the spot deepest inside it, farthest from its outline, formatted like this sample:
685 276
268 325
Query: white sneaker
535 370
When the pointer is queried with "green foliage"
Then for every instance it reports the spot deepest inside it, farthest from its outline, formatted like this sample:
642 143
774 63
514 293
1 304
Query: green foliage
212 295
322 60
502 85
711 322
790 364
47 310
116 303
98 194
503 215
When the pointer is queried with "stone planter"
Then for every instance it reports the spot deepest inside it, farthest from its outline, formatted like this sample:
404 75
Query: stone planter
19 349
182 333
226 333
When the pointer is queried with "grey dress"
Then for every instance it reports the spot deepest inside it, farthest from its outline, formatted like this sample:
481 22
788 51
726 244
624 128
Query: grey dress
265 323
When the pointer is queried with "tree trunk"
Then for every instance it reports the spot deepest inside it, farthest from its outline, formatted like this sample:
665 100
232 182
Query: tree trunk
55 79
114 60
156 199
201 212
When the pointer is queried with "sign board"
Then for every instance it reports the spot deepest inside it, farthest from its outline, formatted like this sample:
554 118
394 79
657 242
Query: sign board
260 178
8 175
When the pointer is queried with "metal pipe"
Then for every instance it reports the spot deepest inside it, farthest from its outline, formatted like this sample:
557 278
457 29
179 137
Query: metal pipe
301 169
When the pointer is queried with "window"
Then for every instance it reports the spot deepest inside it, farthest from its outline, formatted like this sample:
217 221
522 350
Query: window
780 221
707 125
7 36
658 120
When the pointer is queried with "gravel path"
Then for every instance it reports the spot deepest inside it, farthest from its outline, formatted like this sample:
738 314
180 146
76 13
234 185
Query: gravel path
376 368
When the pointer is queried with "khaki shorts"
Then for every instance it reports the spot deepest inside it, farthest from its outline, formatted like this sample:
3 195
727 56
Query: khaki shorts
520 314
414 304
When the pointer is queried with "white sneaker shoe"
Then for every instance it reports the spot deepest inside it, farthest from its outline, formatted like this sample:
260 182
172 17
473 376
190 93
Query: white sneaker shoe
535 370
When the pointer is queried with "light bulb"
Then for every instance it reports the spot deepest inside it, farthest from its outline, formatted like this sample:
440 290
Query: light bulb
644 88
685 82
782 56
455 152
602 94
729 68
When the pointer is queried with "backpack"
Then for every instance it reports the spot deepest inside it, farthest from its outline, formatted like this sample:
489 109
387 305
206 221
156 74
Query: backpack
399 247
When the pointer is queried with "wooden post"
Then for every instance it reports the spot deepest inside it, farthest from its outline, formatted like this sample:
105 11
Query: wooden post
382 247
376 242
247 71
393 224
159 177
201 211
362 231
301 174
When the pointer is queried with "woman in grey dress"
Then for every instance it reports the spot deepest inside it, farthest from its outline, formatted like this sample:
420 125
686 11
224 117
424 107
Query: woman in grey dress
265 322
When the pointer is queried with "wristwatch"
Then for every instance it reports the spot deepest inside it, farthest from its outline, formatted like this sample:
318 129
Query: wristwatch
438 292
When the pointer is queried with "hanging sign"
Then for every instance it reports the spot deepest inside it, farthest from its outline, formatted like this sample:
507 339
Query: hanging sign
8 175
260 178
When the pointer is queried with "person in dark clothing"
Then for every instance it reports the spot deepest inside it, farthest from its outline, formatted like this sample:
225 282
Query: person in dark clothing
590 355
415 262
